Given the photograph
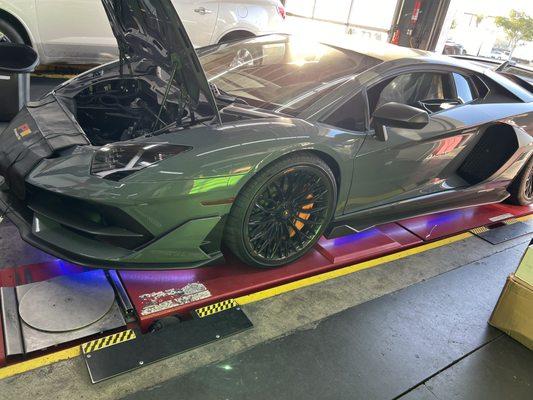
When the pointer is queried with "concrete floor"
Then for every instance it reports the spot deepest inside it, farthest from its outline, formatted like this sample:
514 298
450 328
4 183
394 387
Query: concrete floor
382 349
415 327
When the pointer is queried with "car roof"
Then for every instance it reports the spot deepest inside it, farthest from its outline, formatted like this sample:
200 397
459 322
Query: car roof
388 52
374 48
383 51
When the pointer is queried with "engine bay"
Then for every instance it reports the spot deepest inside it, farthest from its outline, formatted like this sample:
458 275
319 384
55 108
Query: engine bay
125 108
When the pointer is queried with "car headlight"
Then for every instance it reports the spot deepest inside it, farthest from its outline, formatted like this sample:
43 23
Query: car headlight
116 161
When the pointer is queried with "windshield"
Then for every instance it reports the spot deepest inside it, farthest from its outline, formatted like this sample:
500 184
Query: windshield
281 73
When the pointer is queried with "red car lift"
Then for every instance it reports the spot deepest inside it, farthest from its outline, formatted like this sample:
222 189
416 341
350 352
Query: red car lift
155 295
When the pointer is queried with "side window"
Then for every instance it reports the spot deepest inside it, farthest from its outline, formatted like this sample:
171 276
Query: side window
351 115
417 89
464 88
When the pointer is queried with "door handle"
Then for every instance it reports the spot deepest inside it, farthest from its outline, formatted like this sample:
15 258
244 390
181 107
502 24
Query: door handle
202 10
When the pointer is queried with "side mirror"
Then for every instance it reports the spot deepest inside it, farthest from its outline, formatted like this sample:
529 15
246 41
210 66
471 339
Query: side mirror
399 116
17 58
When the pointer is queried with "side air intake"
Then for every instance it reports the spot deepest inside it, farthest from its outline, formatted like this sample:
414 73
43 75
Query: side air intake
496 145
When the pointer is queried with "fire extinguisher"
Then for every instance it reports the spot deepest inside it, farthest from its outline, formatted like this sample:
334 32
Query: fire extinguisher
414 19
412 24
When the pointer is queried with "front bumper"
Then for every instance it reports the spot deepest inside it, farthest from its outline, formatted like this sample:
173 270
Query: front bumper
192 244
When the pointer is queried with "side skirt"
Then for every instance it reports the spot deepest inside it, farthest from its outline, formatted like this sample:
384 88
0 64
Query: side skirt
435 202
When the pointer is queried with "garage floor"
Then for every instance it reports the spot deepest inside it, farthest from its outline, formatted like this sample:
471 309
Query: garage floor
414 328
429 340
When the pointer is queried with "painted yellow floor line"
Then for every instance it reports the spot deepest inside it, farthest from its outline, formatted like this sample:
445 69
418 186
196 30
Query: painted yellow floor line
264 294
53 76
38 362
525 217
312 280
261 295
29 365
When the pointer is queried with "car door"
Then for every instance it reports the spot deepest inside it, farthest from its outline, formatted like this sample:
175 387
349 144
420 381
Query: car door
412 162
199 18
75 30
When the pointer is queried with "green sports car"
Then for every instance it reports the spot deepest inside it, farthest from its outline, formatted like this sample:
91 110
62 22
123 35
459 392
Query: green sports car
169 157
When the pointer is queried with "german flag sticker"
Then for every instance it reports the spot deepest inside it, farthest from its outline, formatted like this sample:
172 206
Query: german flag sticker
22 131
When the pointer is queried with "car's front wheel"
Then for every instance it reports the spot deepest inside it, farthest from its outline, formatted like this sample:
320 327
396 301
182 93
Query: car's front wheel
521 189
282 212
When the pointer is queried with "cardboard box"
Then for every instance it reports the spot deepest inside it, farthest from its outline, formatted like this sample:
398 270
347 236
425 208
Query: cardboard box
513 313
525 269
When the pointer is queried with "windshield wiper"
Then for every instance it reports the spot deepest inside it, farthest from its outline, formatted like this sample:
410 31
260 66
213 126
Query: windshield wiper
226 97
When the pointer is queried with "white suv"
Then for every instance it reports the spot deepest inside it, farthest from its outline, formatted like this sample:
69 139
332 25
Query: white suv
77 31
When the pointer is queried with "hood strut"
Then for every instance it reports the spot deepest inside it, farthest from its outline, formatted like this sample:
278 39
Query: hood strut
152 30
165 98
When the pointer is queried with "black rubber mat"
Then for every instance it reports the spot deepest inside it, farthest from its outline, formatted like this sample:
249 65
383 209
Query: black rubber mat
378 350
116 354
505 232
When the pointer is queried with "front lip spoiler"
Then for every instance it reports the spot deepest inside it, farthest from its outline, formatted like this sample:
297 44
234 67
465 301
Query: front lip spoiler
27 235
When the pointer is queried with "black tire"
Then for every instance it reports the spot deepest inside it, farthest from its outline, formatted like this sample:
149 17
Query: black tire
285 207
164 323
235 35
521 189
9 33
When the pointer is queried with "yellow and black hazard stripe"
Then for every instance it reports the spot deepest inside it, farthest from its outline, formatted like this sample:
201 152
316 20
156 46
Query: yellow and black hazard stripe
108 341
216 307
479 230
483 229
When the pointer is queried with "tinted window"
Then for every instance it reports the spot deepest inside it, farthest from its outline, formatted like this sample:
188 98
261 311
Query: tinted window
280 73
412 89
463 88
350 116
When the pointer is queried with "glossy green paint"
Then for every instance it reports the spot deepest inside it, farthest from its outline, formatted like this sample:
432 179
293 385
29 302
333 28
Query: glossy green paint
188 236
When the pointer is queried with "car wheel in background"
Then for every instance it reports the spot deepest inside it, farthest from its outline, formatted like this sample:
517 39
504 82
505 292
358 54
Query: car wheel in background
244 54
522 187
9 34
282 212
242 57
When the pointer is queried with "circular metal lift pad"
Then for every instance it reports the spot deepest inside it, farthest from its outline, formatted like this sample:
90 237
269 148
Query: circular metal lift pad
68 302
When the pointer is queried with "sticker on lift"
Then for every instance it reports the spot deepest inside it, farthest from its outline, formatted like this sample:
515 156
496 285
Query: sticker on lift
500 217
174 297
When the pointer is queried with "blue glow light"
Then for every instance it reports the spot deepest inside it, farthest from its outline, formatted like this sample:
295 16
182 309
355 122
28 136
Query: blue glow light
364 235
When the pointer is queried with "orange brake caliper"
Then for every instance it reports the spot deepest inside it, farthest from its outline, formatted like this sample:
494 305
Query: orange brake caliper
302 215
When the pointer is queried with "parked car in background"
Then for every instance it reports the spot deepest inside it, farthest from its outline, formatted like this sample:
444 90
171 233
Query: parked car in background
452 48
499 54
78 31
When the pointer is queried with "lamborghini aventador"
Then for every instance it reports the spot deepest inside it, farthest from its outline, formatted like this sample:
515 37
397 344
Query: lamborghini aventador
168 157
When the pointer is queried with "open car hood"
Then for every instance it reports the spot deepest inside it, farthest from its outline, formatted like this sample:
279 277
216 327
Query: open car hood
152 30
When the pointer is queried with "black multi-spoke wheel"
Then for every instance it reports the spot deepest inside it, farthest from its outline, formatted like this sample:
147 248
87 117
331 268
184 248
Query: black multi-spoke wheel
522 187
282 212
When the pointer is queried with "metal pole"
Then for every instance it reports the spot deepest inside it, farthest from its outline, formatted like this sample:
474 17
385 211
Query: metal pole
349 14
396 18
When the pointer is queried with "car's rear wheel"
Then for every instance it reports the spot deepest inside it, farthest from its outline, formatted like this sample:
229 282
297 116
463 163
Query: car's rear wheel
522 187
9 34
282 211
